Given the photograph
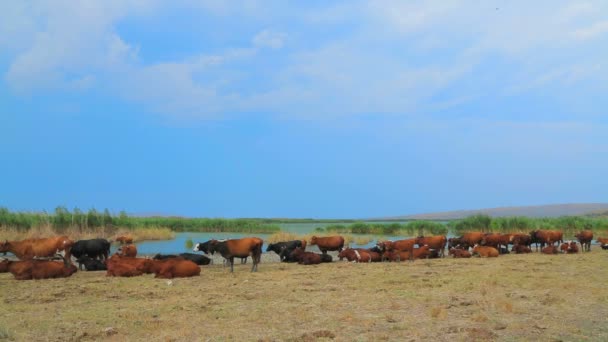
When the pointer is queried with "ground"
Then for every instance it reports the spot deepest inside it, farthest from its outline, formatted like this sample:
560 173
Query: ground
510 298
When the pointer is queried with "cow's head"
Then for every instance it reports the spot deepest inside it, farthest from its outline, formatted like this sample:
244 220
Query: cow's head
313 240
270 247
4 246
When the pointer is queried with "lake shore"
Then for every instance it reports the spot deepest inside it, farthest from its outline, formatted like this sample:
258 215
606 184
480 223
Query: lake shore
512 297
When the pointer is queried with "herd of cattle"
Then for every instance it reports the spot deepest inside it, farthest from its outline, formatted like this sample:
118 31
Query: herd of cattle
52 257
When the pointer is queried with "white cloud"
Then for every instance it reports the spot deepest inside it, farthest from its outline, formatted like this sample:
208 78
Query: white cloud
267 38
593 31
358 57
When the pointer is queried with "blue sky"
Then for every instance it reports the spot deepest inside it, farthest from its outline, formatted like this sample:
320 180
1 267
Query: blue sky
302 109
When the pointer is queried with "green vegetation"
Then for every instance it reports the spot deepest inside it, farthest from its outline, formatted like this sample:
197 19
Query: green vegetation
568 224
413 228
62 220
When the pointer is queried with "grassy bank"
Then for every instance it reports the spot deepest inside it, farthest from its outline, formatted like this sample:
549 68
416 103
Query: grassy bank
141 234
514 297
62 220
413 228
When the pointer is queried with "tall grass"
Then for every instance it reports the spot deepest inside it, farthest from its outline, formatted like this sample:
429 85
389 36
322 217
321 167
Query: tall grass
76 220
413 228
570 225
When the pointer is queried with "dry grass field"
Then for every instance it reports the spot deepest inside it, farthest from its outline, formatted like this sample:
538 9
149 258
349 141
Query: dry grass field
512 298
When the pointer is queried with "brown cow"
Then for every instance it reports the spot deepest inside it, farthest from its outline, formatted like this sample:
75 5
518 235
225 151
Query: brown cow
521 239
176 268
306 258
459 253
119 269
602 241
585 237
4 264
423 252
548 237
124 239
128 251
550 249
30 248
328 243
521 249
434 242
140 264
359 255
496 240
41 269
471 239
569 247
485 251
239 248
398 245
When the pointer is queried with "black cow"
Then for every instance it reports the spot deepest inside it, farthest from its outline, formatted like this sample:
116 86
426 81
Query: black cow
195 258
326 258
204 247
284 249
94 249
91 264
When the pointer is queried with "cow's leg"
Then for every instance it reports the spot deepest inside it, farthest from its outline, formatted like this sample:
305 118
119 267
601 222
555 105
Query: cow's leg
231 260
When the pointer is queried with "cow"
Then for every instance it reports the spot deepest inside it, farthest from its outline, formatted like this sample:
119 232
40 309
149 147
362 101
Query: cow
585 237
31 248
459 253
521 249
406 245
4 264
455 242
91 264
434 242
328 243
357 255
602 241
118 269
569 247
548 237
195 258
41 269
124 239
128 251
239 248
284 249
521 239
116 262
175 268
471 239
485 251
496 240
204 247
306 258
549 249
94 249
396 255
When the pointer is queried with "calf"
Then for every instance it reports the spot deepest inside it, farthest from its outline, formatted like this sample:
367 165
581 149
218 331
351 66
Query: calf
459 253
91 264
355 255
569 247
550 249
521 249
485 251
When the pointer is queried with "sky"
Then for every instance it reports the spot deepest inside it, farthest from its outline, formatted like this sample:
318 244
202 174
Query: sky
343 109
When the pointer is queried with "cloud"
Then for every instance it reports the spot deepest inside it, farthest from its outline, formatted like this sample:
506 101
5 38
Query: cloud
267 38
352 58
591 32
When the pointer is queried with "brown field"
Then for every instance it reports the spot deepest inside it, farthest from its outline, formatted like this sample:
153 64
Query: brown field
511 298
